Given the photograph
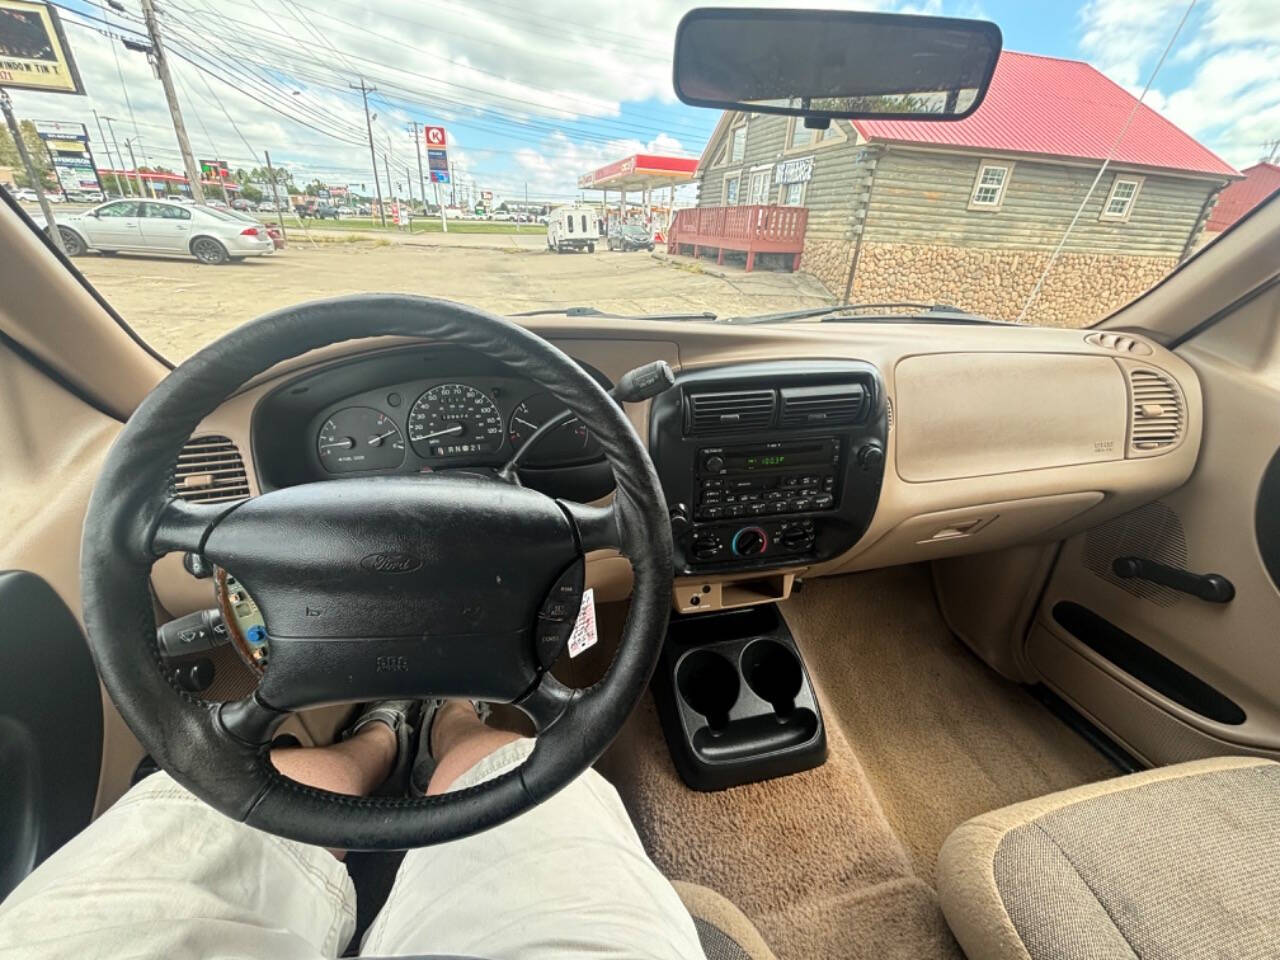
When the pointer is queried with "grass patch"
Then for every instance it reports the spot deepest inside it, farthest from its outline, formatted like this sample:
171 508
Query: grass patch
425 226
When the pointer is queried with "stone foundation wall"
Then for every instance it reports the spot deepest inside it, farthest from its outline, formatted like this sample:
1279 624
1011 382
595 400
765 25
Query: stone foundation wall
828 260
1081 289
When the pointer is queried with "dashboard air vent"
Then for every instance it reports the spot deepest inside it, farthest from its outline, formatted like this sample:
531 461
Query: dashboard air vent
823 406
1156 417
210 470
736 410
1118 342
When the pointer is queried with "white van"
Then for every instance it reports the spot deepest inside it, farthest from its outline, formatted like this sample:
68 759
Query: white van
573 228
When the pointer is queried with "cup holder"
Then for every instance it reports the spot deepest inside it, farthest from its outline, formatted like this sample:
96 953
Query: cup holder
708 683
773 673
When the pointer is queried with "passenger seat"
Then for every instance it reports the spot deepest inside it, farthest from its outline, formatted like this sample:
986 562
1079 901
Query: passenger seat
1177 862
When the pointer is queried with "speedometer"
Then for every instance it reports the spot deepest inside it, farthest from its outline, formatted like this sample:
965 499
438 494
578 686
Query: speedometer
454 420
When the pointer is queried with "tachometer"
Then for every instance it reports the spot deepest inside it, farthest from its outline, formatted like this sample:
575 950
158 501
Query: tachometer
454 420
359 438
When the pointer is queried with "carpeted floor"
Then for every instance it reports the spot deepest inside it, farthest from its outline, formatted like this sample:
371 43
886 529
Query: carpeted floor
838 862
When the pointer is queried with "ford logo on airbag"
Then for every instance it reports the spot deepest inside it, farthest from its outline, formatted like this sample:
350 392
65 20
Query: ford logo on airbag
391 562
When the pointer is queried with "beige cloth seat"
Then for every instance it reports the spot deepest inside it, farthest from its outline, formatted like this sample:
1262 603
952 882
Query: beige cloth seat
1177 862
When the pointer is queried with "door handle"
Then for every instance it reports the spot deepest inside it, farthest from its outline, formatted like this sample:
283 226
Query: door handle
1211 587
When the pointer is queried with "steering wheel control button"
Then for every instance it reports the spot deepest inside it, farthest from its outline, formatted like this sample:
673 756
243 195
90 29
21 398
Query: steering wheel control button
749 541
194 633
559 613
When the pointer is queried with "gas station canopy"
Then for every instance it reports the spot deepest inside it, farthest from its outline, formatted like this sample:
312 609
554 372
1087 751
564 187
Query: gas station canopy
641 171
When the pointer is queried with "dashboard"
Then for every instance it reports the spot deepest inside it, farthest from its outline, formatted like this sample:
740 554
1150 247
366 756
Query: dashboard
955 438
418 411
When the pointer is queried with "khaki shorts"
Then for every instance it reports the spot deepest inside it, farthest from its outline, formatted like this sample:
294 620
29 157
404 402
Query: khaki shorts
163 875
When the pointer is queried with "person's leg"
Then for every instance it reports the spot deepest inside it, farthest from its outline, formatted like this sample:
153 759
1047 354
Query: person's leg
355 766
567 878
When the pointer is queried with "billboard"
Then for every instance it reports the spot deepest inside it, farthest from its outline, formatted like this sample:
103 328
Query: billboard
33 49
435 136
68 146
214 169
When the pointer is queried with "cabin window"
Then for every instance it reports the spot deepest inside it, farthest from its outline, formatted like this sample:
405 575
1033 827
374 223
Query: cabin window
792 195
738 147
988 186
1124 192
570 219
584 223
731 190
801 136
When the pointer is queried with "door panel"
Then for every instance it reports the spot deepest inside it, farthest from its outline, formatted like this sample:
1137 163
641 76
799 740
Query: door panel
1213 524
117 226
166 228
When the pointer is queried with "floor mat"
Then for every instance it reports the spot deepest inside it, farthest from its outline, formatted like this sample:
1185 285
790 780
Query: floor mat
942 738
838 862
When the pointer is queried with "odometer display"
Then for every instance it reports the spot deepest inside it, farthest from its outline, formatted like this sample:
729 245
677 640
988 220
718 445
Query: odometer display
455 420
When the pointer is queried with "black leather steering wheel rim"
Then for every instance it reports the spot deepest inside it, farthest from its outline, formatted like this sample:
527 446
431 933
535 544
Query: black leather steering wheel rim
220 752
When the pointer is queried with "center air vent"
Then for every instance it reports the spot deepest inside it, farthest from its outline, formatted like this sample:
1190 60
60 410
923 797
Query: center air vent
722 412
210 470
1156 419
823 406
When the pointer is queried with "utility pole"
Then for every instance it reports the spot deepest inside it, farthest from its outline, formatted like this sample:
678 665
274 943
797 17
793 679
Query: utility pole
32 173
171 95
386 165
133 160
275 196
106 148
422 183
453 188
128 185
373 155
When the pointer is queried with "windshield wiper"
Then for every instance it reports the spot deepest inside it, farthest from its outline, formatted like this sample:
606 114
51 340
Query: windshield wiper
917 313
593 312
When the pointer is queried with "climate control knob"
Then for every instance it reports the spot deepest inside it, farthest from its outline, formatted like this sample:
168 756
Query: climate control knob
748 542
714 463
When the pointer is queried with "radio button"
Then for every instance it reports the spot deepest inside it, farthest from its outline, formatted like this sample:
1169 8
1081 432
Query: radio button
756 509
713 463
737 510
801 504
790 482
823 501
710 513
828 483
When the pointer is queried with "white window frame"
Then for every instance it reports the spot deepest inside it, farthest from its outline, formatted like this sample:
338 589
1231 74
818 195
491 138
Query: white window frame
733 134
1121 216
830 137
983 167
784 187
765 169
736 176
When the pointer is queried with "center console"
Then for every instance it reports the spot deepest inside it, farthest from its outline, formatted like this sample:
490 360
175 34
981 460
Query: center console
769 464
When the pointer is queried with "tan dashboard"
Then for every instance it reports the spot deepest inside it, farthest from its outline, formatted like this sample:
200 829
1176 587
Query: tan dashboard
997 436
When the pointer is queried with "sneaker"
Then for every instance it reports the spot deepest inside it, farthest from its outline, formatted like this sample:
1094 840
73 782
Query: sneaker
424 764
401 716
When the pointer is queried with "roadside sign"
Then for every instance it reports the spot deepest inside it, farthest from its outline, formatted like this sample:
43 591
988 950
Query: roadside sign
435 136
487 196
214 169
68 147
439 176
438 160
33 49
322 194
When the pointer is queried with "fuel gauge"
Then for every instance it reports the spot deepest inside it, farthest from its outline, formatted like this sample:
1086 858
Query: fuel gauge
359 438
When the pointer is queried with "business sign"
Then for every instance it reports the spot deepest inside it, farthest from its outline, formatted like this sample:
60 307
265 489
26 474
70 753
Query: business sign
438 160
214 169
33 49
322 194
68 147
799 170
435 136
487 196
439 176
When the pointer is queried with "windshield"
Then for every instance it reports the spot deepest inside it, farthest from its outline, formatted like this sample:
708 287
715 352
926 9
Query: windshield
492 153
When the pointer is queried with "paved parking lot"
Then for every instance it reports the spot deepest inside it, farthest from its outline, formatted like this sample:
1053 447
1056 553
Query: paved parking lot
179 305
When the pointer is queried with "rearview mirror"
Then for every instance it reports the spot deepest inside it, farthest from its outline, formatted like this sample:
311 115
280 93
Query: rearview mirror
826 63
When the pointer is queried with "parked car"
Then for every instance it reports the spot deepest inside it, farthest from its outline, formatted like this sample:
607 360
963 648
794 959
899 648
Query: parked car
53 196
266 206
217 204
364 210
272 230
325 211
25 194
629 236
164 226
500 215
573 228
240 203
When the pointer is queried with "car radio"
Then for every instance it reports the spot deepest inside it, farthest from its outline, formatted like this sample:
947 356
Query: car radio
767 465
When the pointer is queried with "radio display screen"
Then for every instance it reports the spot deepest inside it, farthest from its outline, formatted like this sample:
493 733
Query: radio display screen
779 455
766 460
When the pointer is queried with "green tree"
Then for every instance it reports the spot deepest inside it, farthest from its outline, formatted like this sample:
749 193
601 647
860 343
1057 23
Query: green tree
35 149
251 193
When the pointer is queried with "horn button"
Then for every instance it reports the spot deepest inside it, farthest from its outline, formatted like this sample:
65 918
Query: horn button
436 584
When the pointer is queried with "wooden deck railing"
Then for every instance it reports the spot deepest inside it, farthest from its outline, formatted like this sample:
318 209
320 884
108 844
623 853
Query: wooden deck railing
751 229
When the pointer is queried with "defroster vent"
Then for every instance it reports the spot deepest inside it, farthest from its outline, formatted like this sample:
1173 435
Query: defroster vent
1156 418
210 470
730 411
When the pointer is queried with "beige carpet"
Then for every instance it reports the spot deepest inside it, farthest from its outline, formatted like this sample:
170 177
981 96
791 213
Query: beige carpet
838 862
941 737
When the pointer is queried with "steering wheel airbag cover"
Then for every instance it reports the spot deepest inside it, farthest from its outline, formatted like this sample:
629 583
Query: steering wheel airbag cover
185 736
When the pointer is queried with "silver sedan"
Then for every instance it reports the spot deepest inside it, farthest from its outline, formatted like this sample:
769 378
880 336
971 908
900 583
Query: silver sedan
163 226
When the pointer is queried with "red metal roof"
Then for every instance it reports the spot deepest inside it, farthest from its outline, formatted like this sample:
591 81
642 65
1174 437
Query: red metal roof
1061 108
1260 181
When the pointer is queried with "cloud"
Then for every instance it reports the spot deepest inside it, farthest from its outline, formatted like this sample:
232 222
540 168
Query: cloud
1220 84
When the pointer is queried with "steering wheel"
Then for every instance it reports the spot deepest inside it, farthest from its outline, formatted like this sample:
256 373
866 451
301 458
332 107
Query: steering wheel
371 588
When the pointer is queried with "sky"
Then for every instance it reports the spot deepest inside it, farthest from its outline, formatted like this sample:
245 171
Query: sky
534 94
